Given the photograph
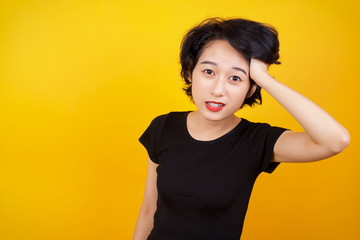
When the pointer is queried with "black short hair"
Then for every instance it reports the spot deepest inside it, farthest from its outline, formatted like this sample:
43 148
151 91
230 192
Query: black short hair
251 39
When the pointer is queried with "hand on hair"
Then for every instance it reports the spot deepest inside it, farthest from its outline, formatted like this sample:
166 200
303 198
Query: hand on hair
257 70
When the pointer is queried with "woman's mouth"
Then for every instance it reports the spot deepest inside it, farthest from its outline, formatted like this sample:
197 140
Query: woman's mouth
214 106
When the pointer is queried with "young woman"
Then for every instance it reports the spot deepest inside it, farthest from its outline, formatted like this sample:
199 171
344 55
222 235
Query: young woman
203 164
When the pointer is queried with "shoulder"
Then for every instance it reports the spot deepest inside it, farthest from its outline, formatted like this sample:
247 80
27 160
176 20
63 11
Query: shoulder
160 118
260 130
171 117
255 127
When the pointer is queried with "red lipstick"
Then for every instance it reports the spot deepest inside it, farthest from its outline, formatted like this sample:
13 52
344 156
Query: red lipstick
214 106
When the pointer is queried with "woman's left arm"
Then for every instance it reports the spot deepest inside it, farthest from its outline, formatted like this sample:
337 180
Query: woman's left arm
323 136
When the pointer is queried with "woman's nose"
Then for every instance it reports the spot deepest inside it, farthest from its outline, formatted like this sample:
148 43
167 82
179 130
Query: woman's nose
218 88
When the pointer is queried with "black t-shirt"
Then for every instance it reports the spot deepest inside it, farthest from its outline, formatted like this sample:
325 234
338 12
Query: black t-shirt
204 186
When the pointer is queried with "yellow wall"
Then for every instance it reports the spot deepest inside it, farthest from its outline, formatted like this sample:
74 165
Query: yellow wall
81 80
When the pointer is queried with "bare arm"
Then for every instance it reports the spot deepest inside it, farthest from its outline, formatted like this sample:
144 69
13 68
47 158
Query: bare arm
323 136
145 219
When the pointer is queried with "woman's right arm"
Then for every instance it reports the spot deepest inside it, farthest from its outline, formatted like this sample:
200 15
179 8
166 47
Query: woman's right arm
145 219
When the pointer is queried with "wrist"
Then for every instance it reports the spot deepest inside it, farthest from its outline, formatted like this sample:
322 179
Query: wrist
260 77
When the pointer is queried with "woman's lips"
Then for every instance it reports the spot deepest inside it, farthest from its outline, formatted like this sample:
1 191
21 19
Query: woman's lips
214 106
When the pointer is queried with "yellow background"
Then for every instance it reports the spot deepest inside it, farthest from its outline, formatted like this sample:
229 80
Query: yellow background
81 80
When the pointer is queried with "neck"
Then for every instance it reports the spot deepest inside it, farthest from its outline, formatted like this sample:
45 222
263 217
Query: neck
204 129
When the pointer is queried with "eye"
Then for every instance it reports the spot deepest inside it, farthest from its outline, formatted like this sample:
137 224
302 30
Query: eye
208 71
235 78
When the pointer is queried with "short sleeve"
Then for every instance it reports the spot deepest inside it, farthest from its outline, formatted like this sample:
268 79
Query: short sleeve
266 138
151 137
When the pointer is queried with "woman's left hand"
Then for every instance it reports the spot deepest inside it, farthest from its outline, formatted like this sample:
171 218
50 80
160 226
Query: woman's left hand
257 70
323 136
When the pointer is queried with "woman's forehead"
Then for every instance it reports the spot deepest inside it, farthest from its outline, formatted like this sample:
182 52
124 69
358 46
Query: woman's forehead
222 53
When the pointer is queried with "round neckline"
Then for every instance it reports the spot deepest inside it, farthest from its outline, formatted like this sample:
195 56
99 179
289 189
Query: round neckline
242 121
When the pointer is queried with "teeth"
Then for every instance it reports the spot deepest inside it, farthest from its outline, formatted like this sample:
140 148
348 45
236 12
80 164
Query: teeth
215 104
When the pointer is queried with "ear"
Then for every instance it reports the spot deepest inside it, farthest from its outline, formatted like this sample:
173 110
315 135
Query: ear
251 90
189 78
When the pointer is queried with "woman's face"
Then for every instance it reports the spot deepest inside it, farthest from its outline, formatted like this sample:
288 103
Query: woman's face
220 81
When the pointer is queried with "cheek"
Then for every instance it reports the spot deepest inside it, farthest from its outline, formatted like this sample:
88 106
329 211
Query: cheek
238 94
198 84
197 92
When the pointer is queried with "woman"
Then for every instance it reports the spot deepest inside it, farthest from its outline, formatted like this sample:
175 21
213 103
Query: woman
203 164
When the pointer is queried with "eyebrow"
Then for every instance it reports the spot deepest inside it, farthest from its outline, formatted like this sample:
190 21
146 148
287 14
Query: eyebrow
215 64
